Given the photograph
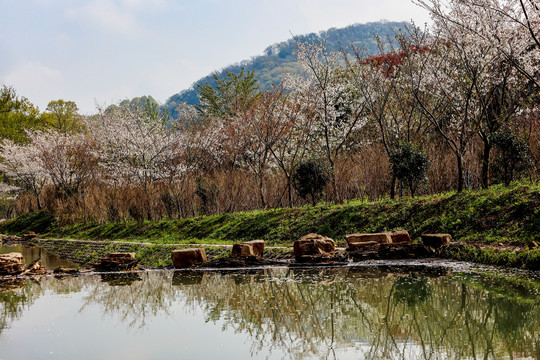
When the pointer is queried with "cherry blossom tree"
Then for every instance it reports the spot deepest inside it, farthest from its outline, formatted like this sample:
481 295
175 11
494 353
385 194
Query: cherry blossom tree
334 110
382 80
67 160
275 142
512 26
510 30
23 164
137 147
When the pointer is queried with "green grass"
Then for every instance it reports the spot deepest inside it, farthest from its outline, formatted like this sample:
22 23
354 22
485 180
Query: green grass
40 222
527 259
509 215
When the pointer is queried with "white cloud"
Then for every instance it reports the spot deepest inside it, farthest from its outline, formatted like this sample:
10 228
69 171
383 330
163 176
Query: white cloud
37 82
116 15
105 14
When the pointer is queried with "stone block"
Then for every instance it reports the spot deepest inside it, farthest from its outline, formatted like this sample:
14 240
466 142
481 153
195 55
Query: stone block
250 248
400 237
355 241
11 263
242 250
436 241
314 245
258 247
188 257
117 262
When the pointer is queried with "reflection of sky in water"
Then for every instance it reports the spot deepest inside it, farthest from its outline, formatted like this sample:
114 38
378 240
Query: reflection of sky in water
54 328
268 315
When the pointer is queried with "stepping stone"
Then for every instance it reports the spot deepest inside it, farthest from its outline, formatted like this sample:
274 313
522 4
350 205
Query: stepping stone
187 257
436 241
314 245
250 248
355 241
11 263
400 237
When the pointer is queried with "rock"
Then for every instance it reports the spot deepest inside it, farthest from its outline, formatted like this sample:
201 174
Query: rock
35 268
250 248
400 237
258 247
436 241
11 238
11 263
364 246
29 235
314 245
242 250
355 241
117 262
188 257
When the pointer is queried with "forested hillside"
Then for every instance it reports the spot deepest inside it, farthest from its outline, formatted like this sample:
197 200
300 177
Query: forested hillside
280 58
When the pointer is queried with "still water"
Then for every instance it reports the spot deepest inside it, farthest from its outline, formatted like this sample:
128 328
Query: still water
30 253
346 313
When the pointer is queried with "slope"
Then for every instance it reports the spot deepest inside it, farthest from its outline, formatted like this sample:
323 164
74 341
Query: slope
279 59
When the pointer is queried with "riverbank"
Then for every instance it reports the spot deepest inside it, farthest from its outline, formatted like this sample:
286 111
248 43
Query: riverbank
499 226
85 253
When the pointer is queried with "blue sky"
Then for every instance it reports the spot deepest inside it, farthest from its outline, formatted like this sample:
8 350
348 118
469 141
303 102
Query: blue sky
104 51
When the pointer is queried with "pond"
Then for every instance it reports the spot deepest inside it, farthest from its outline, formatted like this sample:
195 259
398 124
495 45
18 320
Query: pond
30 253
355 312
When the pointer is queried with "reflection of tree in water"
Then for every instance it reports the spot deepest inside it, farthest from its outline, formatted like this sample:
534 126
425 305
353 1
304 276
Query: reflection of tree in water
134 298
382 315
312 313
413 290
16 295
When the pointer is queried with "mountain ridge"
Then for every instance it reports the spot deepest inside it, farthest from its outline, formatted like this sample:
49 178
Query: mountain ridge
280 58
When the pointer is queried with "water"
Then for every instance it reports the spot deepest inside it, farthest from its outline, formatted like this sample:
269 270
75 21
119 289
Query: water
346 313
30 253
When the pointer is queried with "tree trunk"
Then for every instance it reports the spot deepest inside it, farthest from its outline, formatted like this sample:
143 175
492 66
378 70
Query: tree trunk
261 191
459 159
393 188
334 196
289 190
38 203
485 163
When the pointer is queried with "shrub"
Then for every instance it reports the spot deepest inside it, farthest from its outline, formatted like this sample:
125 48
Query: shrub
409 164
513 156
309 180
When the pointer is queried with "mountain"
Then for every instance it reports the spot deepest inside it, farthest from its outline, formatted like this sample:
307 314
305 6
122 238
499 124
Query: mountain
280 58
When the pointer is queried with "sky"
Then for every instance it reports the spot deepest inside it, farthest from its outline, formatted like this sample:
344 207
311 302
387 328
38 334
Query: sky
99 52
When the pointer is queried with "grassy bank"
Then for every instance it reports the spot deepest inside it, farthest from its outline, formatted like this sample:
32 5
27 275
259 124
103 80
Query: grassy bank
86 253
500 215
